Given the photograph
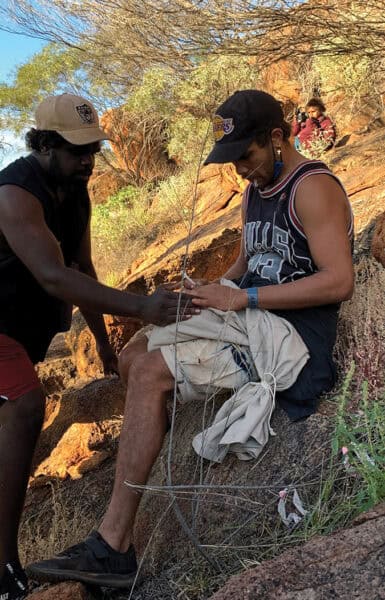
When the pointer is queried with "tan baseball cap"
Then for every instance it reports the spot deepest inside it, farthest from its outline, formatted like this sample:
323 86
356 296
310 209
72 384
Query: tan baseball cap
73 117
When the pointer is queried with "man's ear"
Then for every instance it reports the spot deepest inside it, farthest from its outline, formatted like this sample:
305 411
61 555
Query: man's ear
44 147
277 135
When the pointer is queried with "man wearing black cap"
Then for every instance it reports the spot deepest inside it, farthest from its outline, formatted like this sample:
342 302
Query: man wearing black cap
45 266
295 261
295 257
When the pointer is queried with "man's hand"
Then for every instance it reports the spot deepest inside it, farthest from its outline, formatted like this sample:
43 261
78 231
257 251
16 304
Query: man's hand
108 358
219 296
190 284
165 306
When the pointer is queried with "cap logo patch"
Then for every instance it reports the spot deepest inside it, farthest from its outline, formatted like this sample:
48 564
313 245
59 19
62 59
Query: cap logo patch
85 113
222 127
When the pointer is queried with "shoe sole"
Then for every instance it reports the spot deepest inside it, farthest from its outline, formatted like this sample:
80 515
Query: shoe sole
102 580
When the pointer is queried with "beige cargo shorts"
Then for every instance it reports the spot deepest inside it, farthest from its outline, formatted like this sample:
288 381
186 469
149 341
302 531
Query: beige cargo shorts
203 367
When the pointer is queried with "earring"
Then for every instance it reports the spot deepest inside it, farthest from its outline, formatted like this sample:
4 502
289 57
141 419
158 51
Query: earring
278 163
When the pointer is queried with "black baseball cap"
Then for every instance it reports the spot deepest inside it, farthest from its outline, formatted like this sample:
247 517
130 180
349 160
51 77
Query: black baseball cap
239 119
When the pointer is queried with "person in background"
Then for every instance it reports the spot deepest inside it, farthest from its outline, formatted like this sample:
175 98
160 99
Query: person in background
45 267
312 125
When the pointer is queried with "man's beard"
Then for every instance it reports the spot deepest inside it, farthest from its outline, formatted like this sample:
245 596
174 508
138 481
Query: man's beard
68 185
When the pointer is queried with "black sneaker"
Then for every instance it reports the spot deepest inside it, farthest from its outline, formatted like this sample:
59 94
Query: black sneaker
92 561
13 584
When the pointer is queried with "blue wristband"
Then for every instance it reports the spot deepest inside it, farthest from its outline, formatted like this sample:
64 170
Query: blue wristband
252 295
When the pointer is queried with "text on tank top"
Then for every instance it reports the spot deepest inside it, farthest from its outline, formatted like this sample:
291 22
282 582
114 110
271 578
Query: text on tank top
276 246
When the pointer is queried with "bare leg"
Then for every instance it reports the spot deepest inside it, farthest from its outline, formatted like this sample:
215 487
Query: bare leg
128 354
20 424
143 431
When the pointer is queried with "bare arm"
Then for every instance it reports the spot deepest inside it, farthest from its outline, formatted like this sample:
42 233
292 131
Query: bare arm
23 225
324 213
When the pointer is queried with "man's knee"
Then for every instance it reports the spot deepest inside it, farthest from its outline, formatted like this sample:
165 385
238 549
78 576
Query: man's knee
27 411
129 353
150 371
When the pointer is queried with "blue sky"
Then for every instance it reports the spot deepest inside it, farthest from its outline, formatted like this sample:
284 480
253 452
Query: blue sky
14 50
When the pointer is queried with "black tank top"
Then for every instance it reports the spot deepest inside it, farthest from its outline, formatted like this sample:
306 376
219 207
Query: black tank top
275 242
27 313
277 252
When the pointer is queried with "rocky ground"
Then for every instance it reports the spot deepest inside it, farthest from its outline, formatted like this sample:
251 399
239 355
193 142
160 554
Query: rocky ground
346 565
74 462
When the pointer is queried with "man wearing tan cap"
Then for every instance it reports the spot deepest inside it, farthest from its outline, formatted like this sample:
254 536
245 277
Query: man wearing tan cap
44 233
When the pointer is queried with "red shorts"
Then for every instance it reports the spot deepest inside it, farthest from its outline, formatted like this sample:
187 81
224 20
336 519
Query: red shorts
17 374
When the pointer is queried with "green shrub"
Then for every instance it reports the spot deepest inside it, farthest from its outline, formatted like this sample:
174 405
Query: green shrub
174 199
190 138
118 228
130 220
354 480
155 94
355 76
361 435
122 214
197 96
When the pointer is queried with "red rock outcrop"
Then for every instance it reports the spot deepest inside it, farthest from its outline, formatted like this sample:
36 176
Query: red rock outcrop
139 144
215 226
281 81
105 183
80 430
83 346
378 240
348 564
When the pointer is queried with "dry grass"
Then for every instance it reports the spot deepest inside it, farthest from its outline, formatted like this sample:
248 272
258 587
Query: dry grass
60 520
127 224
361 332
